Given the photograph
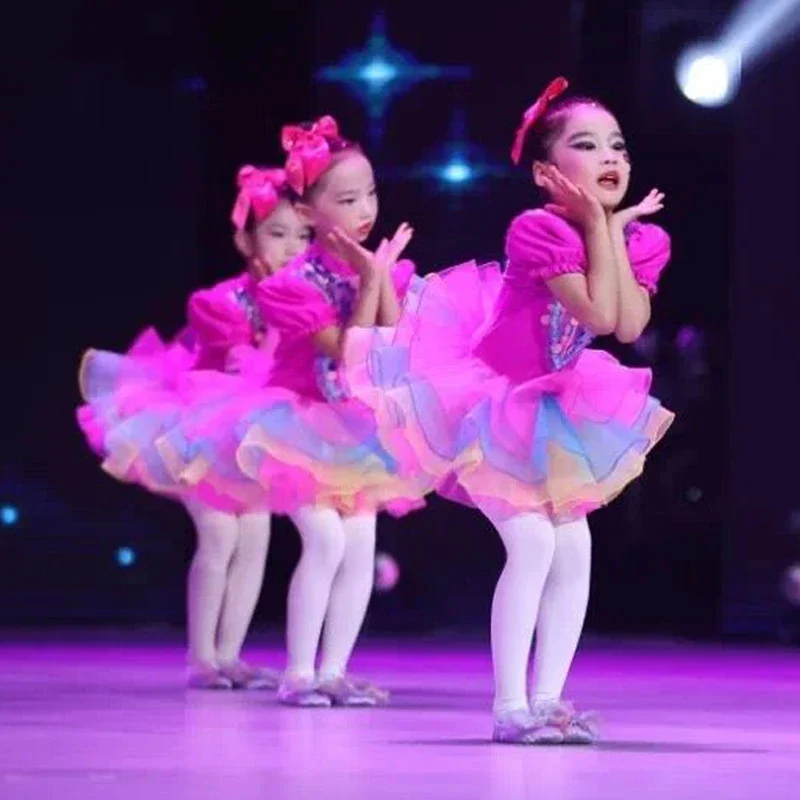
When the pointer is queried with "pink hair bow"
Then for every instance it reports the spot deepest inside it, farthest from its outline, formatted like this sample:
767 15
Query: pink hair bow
309 151
258 192
534 113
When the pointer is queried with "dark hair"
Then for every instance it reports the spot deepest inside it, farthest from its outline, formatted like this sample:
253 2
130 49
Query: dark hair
551 125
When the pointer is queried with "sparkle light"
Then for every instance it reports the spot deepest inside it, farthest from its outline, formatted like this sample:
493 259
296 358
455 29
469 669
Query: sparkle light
125 556
9 515
379 72
457 171
457 164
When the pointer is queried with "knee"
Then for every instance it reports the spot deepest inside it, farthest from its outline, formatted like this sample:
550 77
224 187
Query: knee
216 543
323 544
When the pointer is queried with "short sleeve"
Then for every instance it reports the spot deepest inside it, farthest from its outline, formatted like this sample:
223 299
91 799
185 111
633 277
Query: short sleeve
293 306
218 322
545 245
649 251
402 273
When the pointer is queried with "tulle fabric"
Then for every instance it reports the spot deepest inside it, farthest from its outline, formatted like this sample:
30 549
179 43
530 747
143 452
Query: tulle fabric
562 443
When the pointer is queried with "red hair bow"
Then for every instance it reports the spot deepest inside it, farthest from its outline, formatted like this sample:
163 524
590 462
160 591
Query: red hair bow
534 113
309 152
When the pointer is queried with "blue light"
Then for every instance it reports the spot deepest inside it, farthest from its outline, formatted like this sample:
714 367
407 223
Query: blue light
193 84
378 72
457 172
126 556
9 515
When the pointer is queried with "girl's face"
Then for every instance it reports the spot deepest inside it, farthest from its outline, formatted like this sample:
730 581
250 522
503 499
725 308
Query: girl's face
592 154
345 197
276 240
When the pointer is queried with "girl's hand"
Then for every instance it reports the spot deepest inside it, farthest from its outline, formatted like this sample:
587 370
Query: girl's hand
367 264
571 201
651 204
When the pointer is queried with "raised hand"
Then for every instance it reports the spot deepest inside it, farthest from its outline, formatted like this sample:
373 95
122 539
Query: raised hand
652 203
365 262
570 201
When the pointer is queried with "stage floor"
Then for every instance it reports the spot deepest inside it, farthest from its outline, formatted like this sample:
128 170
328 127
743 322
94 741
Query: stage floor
109 719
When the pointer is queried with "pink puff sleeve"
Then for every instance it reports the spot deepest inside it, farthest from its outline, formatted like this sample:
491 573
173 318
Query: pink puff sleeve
293 306
402 273
649 251
218 323
545 245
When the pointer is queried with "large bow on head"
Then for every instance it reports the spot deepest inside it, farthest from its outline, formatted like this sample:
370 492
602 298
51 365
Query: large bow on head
534 113
309 151
258 192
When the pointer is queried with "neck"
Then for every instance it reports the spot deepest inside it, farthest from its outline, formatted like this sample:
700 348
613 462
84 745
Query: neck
258 270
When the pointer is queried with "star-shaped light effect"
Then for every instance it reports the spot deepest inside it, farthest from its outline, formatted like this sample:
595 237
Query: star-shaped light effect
379 72
457 164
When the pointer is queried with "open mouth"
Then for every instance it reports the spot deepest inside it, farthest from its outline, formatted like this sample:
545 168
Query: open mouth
364 230
609 180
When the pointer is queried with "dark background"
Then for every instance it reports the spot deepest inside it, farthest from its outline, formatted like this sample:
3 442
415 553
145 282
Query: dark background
122 131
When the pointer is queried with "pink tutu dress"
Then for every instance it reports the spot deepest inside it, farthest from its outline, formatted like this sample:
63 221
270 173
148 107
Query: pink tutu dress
145 410
494 387
301 438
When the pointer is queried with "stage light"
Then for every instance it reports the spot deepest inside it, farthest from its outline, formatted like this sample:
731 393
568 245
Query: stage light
457 171
791 584
125 556
387 572
378 72
758 27
694 494
9 515
708 75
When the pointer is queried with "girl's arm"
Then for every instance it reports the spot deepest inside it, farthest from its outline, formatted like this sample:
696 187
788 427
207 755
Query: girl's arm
330 340
389 306
592 298
633 302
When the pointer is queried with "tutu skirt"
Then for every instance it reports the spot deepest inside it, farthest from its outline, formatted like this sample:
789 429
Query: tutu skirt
232 442
561 443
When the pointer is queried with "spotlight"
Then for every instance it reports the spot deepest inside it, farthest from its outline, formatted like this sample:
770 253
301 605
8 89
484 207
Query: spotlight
708 75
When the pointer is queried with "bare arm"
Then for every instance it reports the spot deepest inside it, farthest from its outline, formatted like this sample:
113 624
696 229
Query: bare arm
389 305
592 298
634 301
330 340
377 300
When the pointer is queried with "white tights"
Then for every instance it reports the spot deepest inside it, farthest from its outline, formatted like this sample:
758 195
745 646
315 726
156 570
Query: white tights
544 585
224 583
331 586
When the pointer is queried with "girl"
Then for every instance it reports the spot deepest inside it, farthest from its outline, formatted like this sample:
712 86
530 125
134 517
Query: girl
512 412
136 402
320 454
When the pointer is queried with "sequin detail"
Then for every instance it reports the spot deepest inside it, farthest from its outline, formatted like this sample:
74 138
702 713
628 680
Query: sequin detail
341 294
566 337
248 303
328 378
339 291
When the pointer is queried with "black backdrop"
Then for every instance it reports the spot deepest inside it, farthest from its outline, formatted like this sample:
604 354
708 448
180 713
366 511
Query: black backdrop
127 125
